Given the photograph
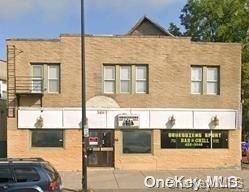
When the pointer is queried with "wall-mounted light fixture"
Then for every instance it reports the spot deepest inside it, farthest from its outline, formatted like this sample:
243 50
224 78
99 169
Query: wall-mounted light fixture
39 122
172 120
215 121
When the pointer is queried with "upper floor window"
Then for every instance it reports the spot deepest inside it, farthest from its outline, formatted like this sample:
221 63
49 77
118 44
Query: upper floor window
205 80
53 78
141 79
37 78
46 77
109 79
212 80
125 78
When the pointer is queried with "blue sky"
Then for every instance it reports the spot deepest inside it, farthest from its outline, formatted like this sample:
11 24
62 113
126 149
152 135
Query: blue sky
49 18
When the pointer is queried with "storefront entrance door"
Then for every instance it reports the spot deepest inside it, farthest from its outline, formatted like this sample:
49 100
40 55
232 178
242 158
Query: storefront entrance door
102 143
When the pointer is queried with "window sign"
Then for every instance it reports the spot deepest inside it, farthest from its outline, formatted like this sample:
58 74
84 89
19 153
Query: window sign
93 140
194 139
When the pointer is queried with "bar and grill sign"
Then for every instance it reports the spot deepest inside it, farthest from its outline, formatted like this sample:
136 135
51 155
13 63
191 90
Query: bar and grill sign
128 121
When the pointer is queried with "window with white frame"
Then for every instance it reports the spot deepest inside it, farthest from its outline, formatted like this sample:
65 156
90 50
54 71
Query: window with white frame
109 79
141 79
196 80
53 78
37 79
212 80
125 79
45 78
205 80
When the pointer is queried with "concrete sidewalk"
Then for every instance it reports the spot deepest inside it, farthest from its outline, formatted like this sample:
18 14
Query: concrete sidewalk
101 180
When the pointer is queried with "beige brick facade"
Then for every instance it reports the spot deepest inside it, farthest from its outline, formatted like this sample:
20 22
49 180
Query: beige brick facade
169 62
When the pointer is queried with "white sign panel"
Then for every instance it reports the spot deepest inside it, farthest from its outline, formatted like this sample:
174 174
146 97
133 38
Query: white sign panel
128 121
161 119
203 120
106 118
72 118
51 119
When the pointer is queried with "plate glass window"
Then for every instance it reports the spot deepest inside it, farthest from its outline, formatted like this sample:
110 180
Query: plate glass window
47 138
125 79
136 141
212 80
141 79
109 79
196 80
53 78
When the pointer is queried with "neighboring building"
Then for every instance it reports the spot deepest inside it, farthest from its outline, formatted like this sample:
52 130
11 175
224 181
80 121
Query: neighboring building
3 109
154 101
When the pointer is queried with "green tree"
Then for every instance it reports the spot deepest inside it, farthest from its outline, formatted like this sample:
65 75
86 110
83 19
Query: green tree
174 30
216 20
222 21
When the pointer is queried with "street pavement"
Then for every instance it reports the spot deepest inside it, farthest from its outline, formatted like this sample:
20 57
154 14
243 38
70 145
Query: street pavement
110 180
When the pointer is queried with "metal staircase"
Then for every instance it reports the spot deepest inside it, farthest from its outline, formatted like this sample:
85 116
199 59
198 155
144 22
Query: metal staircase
11 79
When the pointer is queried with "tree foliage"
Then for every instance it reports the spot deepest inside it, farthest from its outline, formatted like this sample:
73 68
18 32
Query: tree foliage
216 20
174 30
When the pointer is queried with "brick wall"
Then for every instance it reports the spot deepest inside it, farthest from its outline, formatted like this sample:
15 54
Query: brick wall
169 61
170 159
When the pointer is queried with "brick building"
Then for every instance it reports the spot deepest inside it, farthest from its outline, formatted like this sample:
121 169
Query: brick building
3 117
154 101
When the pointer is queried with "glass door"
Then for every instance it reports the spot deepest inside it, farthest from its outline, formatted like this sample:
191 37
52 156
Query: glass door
102 143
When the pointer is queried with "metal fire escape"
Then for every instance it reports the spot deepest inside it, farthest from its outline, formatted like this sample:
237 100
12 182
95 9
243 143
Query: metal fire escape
11 80
19 86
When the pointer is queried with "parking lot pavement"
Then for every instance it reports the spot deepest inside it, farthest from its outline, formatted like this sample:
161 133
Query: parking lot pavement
101 180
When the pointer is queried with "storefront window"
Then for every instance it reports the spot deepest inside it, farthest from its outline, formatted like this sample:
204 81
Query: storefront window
220 139
136 141
47 138
196 139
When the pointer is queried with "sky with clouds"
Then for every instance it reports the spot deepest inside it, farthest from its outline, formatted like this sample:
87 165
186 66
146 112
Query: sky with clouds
49 18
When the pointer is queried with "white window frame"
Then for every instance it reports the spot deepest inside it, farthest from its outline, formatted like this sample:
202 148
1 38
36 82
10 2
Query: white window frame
126 80
54 79
142 80
197 81
213 81
110 80
38 79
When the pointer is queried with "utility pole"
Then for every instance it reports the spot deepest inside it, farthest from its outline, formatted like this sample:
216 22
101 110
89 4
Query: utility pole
85 131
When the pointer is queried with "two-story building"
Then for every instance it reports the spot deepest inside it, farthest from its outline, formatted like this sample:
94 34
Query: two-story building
3 109
154 101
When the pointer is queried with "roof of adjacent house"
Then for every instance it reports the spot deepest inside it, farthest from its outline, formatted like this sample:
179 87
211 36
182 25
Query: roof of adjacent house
145 26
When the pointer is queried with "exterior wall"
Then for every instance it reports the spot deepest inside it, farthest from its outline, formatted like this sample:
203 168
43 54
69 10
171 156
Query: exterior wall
67 158
3 71
169 61
170 159
3 129
3 117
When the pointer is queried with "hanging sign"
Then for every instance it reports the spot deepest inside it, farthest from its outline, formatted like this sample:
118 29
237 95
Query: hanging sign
128 121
